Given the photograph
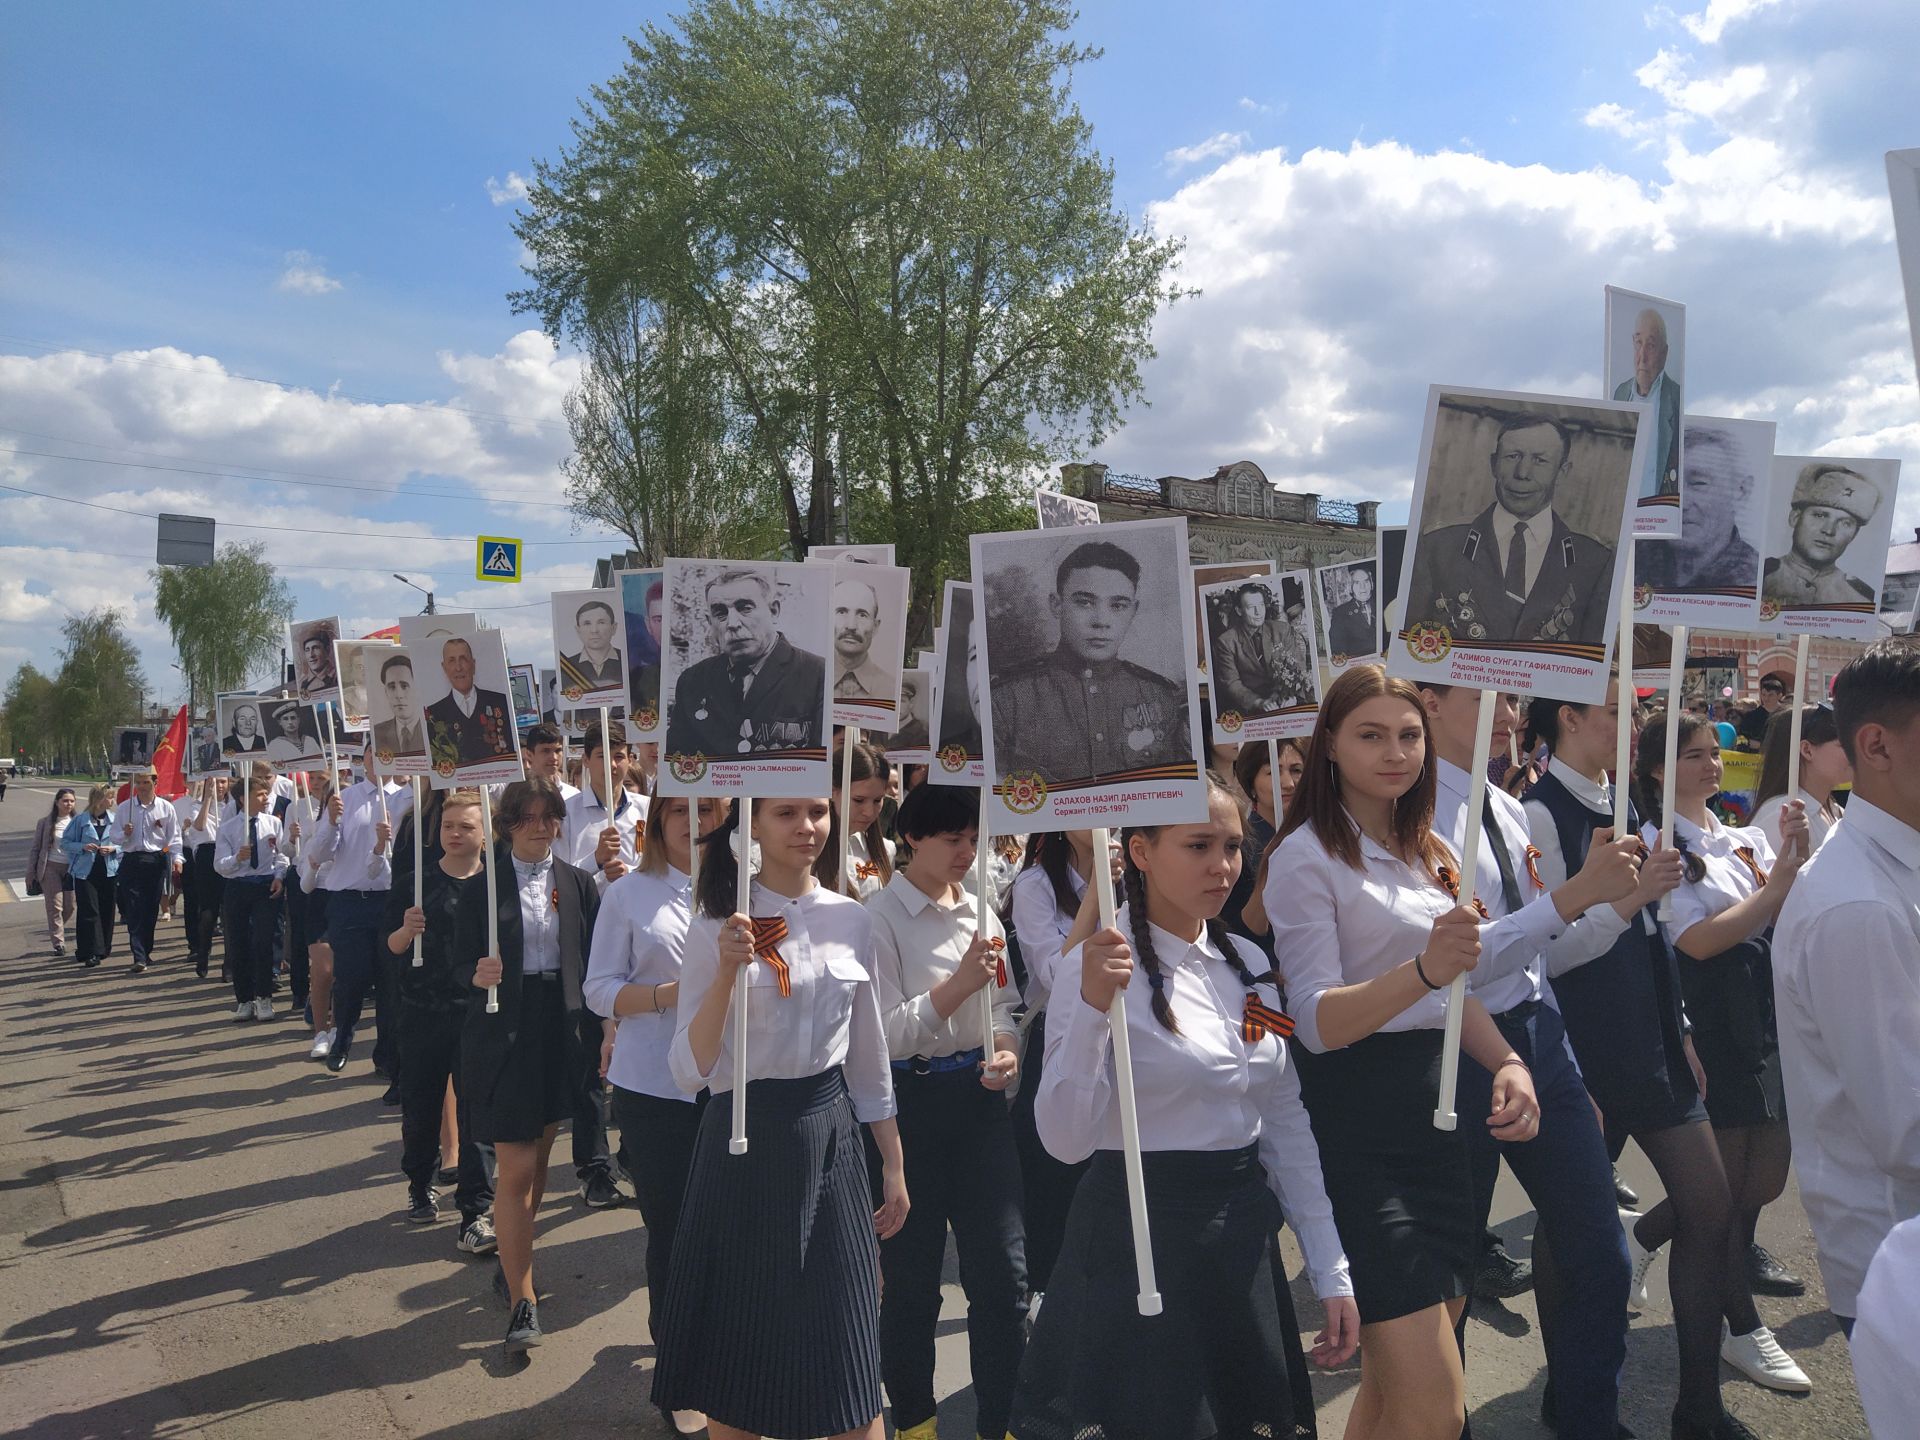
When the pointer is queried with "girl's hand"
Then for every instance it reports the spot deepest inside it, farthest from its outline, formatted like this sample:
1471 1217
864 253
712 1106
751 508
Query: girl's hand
1796 837
892 1213
979 967
1454 947
1335 1345
1516 1109
998 1073
1660 874
487 973
1106 967
736 944
413 924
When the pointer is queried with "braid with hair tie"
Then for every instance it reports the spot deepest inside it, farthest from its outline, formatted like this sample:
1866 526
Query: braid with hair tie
1144 953
1222 939
1696 866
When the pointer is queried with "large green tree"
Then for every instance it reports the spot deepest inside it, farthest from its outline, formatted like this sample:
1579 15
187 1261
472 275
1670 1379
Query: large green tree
887 222
100 684
226 618
29 715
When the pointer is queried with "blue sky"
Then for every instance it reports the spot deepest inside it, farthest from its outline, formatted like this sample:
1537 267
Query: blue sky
1374 197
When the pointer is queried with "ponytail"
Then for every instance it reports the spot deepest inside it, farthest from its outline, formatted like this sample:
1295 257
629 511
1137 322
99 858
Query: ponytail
719 893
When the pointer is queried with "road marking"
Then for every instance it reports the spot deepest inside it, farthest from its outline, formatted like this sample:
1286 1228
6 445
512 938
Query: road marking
15 890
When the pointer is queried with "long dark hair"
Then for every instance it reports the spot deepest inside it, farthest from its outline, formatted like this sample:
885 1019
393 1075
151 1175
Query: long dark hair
1648 764
1818 725
718 891
53 810
869 763
1052 853
1134 882
1317 801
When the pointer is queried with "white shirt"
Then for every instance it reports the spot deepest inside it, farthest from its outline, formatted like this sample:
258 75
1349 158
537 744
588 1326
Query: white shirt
1593 933
831 1018
1846 985
1886 1363
1727 882
1334 925
217 810
917 943
353 861
539 916
1539 535
465 701
1512 947
1202 1089
1041 927
1766 819
156 827
587 817
269 855
865 887
639 937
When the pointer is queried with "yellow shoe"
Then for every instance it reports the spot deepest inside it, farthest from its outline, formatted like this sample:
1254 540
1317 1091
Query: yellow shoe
925 1430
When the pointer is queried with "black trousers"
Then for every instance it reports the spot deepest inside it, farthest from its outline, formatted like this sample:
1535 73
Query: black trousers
248 911
93 913
430 1039
1047 1184
658 1137
389 1041
201 888
294 931
590 1106
963 1171
143 874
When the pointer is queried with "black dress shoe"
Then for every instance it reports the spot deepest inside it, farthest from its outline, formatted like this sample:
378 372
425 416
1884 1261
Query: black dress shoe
1500 1276
1725 1428
392 1097
1550 1416
337 1057
1769 1277
200 966
447 1175
1628 1197
523 1330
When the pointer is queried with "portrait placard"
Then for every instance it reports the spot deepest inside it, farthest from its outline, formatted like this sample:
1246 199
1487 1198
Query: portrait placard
523 693
132 748
357 663
1349 612
590 646
1520 519
868 614
643 601
1710 576
956 737
203 751
1645 364
1903 184
1204 575
236 715
1829 523
1652 657
310 644
745 679
294 734
1055 511
909 744
1263 673
396 722
461 676
850 555
1899 599
1389 550
1090 706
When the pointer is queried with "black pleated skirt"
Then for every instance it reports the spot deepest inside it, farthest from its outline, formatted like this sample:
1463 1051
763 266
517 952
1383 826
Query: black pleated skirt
1402 1191
1214 1361
1730 1002
536 1084
770 1320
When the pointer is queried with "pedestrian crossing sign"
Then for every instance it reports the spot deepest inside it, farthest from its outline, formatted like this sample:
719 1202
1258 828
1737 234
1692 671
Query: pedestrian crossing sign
497 558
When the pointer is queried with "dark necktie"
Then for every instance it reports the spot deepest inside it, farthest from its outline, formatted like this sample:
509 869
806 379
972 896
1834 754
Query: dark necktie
1517 562
1509 887
253 841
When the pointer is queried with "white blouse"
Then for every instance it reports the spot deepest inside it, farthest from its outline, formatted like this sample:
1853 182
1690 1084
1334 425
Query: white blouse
1727 881
217 811
1766 819
639 937
1041 926
1335 925
831 1018
270 855
865 887
587 817
918 943
1205 1088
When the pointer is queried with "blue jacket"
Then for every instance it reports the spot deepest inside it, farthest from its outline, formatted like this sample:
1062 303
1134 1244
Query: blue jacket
85 829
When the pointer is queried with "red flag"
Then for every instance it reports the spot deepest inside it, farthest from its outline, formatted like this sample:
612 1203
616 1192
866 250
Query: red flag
170 776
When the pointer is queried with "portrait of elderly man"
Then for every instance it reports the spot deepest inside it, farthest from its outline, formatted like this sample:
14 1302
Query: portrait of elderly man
1517 572
317 673
759 691
596 666
244 738
856 618
467 726
1651 386
1711 553
402 735
1261 662
643 676
1830 504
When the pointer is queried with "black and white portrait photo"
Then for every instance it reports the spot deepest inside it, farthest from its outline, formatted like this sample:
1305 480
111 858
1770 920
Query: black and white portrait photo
1520 520
1205 575
746 678
1829 521
643 600
1090 699
293 734
1055 511
957 740
462 684
1349 612
1389 548
132 748
311 647
1899 598
396 721
1711 574
850 555
203 752
1646 366
356 661
590 644
242 735
1262 673
867 609
522 688
909 744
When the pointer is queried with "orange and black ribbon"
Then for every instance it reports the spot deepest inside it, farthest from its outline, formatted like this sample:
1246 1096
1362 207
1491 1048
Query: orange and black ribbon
866 870
767 935
1533 867
1745 854
1259 1019
1450 884
997 945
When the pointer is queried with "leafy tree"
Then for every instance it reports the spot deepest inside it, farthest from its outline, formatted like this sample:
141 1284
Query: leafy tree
29 715
226 618
100 683
887 223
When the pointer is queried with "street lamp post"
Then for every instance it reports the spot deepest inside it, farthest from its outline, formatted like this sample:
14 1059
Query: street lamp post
422 589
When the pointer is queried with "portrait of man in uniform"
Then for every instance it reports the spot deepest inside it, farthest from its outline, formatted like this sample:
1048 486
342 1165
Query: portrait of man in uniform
959 733
643 598
1830 504
757 691
1261 659
1713 553
916 686
401 731
589 638
1347 600
294 734
468 725
315 677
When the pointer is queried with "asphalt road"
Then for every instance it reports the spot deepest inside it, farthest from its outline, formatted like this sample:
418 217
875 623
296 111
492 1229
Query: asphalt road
201 1235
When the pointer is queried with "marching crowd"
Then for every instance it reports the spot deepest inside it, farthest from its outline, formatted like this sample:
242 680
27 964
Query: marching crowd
1286 962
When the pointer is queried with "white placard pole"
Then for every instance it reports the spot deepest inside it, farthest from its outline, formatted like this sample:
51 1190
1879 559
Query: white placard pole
609 797
1444 1117
1623 743
418 848
982 904
742 902
493 900
1149 1291
1676 669
1793 732
850 737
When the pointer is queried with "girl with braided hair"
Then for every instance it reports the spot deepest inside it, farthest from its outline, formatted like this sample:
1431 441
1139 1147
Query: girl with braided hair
1227 1151
1723 913
869 851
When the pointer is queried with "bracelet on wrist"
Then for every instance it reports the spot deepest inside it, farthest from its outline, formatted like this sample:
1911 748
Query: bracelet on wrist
1421 971
1512 1060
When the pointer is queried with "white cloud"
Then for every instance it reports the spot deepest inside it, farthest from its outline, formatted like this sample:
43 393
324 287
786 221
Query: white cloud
511 191
1253 106
306 274
1227 142
1710 24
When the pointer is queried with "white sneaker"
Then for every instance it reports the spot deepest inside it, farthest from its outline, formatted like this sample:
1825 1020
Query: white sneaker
243 1011
263 1009
1641 1256
1759 1357
322 1046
